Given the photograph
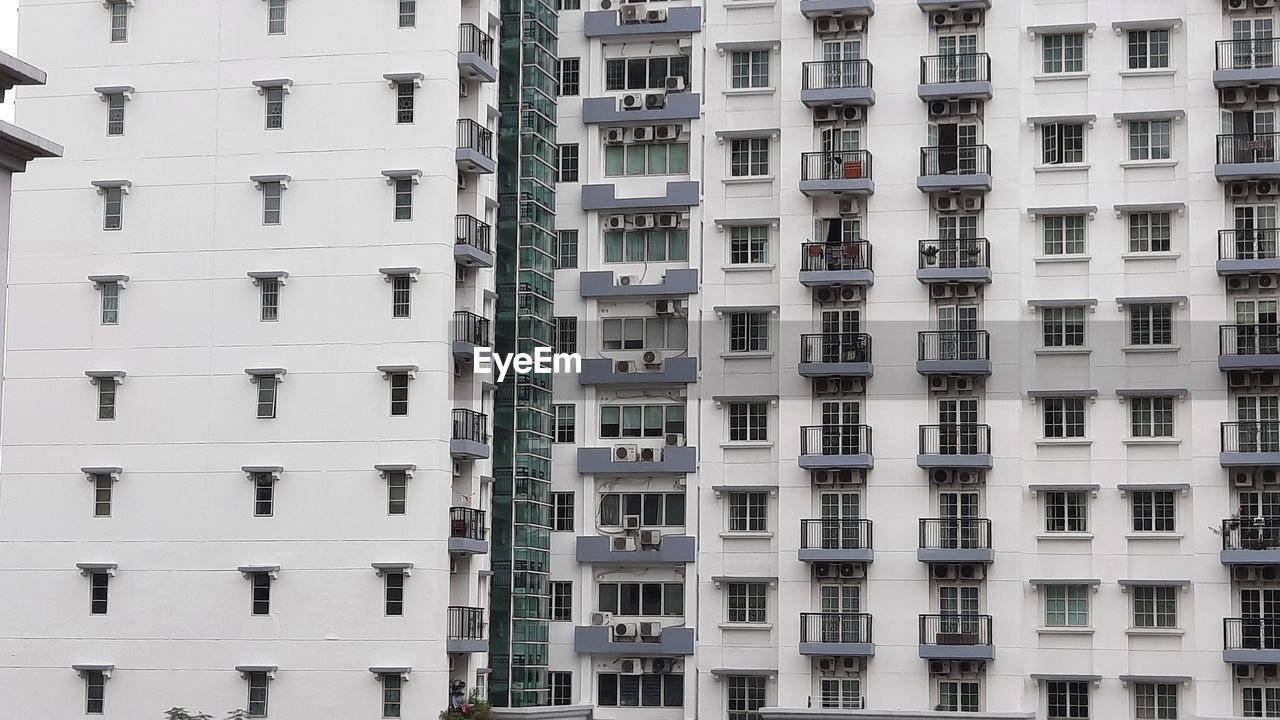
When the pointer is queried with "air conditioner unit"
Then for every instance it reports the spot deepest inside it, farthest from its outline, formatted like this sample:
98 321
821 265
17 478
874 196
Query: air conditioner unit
1233 96
650 455
650 629
1237 4
853 24
965 667
942 19
1270 573
852 385
826 386
622 544
967 107
968 477
1267 94
1263 4
652 360
627 280
824 477
1239 379
1238 283
939 383
825 295
630 522
655 16
622 366
615 222
644 133
965 291
851 570
826 25
852 113
632 13
674 439
850 664
941 477
939 667
970 17
631 666
668 220
825 115
1238 189
1270 476
971 203
939 108
601 619
1242 671
1242 478
1268 379
464 89
850 293
666 308
615 135
824 570
848 206
608 4
655 101
827 664
970 571
626 631
940 291
632 101
1265 282
674 83
1244 573
847 476
663 665
651 538
624 453
666 132
462 181
943 572
964 384
642 222
946 203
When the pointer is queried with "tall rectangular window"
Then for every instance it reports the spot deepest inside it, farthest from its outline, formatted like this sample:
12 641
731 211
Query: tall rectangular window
260 583
1154 510
565 423
562 511
749 157
404 199
1063 417
748 421
275 106
267 396
391 688
749 69
95 692
1063 326
570 75
98 583
747 602
112 208
399 393
1150 140
749 245
746 695
119 21
272 193
400 296
257 682
748 511
1064 235
1151 417
1063 143
1066 511
269 296
1155 606
1066 606
1151 324
404 102
569 5
393 592
264 494
408 13
566 334
1150 232
568 155
1064 53
748 332
110 302
561 601
1148 49
397 492
566 249
103 487
115 114
276 16
561 687
106 398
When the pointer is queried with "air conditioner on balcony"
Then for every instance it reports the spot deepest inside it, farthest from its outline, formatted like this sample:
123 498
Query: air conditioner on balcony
851 570
608 4
970 17
1268 378
666 132
941 477
963 384
643 222
631 666
632 101
853 24
824 477
651 538
650 629
627 280
1244 573
623 367
1238 189
652 360
615 222
940 291
850 293
1238 283
464 90
674 439
826 386
939 383
655 16
615 135
675 84
626 631
622 544
462 181
942 19
823 115
1234 96
1265 282
1242 671
967 107
939 108
968 477
852 385
624 453
946 203
825 295
1239 379
824 570
939 667
632 13
1267 94
643 133
650 455
971 571
668 220
826 25
1263 4
965 291
848 206
1242 478
666 308
943 572
655 101
827 665
852 113
971 203
1237 4
1266 188
600 619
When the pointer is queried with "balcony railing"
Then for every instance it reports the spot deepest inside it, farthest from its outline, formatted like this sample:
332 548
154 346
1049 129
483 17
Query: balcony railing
465 623
474 136
950 254
956 68
836 165
472 231
955 629
833 74
1247 148
955 439
1256 339
1251 436
470 425
835 348
835 440
835 627
474 40
1251 533
954 345
470 327
465 522
955 534
1252 54
955 160
1248 244
1251 633
835 534
839 257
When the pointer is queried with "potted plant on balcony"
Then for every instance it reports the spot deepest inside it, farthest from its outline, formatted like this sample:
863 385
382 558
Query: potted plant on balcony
462 707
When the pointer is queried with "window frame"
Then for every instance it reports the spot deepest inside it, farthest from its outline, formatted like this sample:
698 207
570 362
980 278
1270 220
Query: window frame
1151 416
620 246
273 102
1063 143
642 159
563 511
561 683
748 511
749 157
272 203
1138 46
107 398
565 417
397 484
747 71
109 302
1147 613
1150 325
748 332
277 17
744 696
1063 53
103 486
569 76
964 690
1066 511
610 690
392 694
1075 696
407 9
638 74
402 199
401 296
1143 136
99 591
1071 594
1144 230
747 602
113 208
1152 519
95 702
567 249
636 421
406 100
260 594
1067 407
749 245
393 592
566 334
268 396
116 102
748 421
119 11
667 594
1064 235
398 384
263 506
261 681
1060 328
268 299
567 163
561 601
1163 698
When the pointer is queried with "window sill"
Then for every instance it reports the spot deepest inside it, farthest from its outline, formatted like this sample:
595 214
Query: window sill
750 91
1055 77
1153 536
1150 348
1045 630
1061 167
746 626
1149 72
1050 259
746 444
748 267
1135 164
746 535
749 180
746 355
1152 441
731 4
1151 256
1155 632
1084 536
1066 442
1064 351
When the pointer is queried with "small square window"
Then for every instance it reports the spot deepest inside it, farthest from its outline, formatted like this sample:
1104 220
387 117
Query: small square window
749 157
958 696
1151 325
1155 606
1150 232
1063 53
749 69
1063 143
1063 417
1066 511
748 421
749 245
1064 235
747 602
1150 139
1066 606
1151 417
748 512
1155 701
1067 699
1063 327
1148 49
1154 511
745 696
565 423
748 332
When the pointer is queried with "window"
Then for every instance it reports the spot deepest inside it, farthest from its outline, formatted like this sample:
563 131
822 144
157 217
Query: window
565 423
1150 140
110 302
408 13
1155 606
748 332
1151 324
647 690
562 601
257 682
1148 49
568 163
1155 701
112 208
119 22
1151 417
1063 417
1068 699
749 69
400 295
1154 510
1066 511
269 292
260 593
840 693
748 512
1259 702
95 686
98 582
106 398
636 421
399 393
404 198
393 592
746 695
566 334
275 106
562 506
566 249
391 685
103 486
397 492
266 395
749 245
264 494
749 157
272 193
655 333
655 509
568 4
115 114
958 696
570 75
561 687
747 602
1150 232
1063 143
1066 606
1064 53
646 246
404 102
671 158
644 73
275 16
748 421
1064 235
650 599
1063 326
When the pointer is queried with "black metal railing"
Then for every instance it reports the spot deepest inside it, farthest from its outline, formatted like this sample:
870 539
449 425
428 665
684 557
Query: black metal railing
835 534
1256 339
1251 633
961 533
955 160
470 425
472 135
472 39
835 627
470 327
1249 54
954 345
1251 533
1249 244
465 623
835 165
472 231
833 74
845 256
955 439
835 440
835 348
955 629
1251 436
955 68
1247 148
465 522
951 254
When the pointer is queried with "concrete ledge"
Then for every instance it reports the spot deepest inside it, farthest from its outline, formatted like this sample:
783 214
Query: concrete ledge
858 95
969 275
676 641
953 367
605 110
473 161
468 449
603 197
675 461
468 546
603 371
1247 170
474 66
465 254
958 555
1236 459
820 278
971 181
976 460
674 549
675 283
957 652
606 23
862 555
838 186
836 369
463 645
863 461
977 89
1246 76
815 8
838 648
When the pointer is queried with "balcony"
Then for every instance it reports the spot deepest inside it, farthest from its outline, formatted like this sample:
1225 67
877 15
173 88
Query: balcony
637 373
932 5
475 148
966 260
956 637
1252 640
475 54
835 540
470 331
954 352
827 264
955 77
1248 251
672 550
955 445
623 23
472 246
604 640
465 632
1244 63
627 460
1247 156
467 532
1251 541
841 634
1250 443
670 107
836 355
603 285
839 172
837 82
1249 347
954 168
955 540
835 447
470 438
819 8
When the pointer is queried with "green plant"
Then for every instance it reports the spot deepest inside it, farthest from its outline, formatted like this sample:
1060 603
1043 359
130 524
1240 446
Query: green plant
472 709
181 713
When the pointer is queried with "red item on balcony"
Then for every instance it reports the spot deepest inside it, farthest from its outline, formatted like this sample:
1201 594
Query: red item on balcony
852 169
